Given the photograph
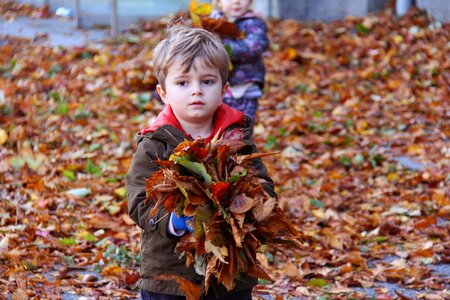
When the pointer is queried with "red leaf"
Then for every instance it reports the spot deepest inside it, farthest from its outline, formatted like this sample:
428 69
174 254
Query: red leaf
222 27
219 190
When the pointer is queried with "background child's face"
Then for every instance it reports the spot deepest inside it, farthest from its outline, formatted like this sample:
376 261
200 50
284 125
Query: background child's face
234 8
195 95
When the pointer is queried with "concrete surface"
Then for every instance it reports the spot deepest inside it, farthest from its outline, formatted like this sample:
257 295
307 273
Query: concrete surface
60 32
439 9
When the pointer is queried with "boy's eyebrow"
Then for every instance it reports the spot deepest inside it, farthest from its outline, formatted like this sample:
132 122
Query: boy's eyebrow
210 75
181 76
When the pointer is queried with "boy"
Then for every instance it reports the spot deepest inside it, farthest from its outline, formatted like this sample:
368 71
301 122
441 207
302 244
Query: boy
191 66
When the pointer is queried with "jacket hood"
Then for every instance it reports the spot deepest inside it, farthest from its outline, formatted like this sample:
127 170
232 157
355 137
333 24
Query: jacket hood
224 117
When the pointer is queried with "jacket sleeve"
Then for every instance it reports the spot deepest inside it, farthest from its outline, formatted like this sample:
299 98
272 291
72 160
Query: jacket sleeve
252 46
141 168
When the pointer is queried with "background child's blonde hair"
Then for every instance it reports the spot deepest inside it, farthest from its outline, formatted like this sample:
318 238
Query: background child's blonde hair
216 4
183 43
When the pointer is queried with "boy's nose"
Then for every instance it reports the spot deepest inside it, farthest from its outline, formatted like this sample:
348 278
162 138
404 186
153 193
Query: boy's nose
197 89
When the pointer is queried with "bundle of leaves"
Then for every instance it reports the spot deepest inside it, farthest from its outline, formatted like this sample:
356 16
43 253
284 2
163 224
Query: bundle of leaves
200 18
233 215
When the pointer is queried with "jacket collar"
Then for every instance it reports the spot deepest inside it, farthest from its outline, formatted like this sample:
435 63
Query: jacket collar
224 117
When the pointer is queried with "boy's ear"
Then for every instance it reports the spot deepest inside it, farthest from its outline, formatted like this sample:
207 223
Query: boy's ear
225 89
161 93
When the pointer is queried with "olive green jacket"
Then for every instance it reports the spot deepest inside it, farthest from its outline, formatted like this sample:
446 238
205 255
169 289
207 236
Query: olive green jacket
158 245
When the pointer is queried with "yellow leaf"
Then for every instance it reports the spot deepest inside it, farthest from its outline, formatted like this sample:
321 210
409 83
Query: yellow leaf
82 235
318 213
193 5
91 71
203 9
415 149
196 20
392 177
289 54
398 39
101 59
3 136
121 192
112 270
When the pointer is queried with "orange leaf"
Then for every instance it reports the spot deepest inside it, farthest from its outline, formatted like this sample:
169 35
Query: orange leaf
425 223
192 291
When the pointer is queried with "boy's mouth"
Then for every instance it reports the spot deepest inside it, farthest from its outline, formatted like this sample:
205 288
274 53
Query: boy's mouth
197 103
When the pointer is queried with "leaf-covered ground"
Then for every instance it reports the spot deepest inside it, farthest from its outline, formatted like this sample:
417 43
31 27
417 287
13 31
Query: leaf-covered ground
359 110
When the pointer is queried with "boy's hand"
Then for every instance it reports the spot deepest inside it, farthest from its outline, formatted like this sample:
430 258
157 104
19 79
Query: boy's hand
181 222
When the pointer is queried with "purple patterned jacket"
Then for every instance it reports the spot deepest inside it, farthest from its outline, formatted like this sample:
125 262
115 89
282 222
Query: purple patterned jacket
246 53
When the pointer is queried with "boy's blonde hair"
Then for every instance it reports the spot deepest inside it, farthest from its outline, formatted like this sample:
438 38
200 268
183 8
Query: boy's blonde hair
183 43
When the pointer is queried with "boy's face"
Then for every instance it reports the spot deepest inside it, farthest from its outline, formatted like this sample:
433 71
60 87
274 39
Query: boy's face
194 96
234 8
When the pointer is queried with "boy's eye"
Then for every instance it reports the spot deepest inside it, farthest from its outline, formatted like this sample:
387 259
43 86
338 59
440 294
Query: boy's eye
182 83
208 81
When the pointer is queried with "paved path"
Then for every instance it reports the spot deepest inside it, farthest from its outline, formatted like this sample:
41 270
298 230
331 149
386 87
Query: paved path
60 32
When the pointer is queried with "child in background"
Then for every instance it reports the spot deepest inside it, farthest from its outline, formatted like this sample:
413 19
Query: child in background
191 65
247 75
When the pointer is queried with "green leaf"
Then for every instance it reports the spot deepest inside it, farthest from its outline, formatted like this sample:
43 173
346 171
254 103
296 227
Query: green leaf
236 176
317 203
361 28
92 169
271 142
317 114
62 109
195 167
380 239
94 147
317 282
69 174
90 238
345 161
68 241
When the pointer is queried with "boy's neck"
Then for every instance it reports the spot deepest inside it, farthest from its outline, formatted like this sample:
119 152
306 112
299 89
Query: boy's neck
196 130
